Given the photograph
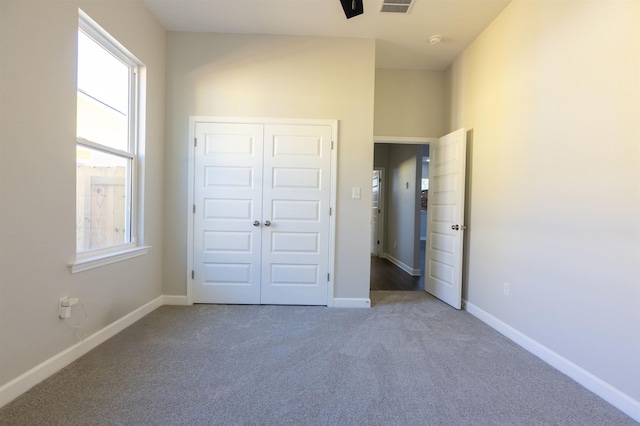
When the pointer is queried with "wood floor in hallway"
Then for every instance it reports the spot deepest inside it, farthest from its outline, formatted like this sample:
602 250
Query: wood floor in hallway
387 276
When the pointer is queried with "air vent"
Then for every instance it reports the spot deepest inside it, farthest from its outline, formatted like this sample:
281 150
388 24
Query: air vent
395 6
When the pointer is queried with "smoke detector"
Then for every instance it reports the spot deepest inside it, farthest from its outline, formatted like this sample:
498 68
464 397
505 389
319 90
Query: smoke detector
435 39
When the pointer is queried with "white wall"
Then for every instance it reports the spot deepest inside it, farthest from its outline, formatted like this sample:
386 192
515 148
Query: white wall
550 92
37 179
282 77
409 103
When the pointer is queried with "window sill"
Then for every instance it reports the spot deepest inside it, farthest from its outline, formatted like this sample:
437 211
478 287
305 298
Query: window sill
95 262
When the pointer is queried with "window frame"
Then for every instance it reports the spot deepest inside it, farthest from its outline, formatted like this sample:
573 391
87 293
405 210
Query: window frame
88 259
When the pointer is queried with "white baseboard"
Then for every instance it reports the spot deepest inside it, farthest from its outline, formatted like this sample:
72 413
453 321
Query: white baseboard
16 387
351 302
604 390
174 300
409 270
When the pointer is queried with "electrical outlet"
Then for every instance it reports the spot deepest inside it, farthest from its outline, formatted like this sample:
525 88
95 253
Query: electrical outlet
506 289
64 306
64 312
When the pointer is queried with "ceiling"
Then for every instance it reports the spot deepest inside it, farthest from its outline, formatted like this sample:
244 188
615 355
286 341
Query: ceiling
402 40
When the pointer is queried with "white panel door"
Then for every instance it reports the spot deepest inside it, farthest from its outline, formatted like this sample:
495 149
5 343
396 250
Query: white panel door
261 224
227 194
296 201
445 226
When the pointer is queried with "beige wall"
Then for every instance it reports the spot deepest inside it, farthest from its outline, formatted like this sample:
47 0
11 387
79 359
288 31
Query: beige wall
409 103
280 77
37 179
550 94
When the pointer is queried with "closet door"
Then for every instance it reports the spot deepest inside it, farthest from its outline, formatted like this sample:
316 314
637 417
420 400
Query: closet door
262 219
227 220
296 201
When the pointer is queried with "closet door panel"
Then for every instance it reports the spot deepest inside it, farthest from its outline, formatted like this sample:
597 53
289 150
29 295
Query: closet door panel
227 194
296 197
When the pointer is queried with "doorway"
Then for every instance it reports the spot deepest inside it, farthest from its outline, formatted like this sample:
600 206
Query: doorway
445 211
402 220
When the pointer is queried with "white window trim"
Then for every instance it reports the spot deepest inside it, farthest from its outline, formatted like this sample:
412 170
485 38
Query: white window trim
105 259
90 259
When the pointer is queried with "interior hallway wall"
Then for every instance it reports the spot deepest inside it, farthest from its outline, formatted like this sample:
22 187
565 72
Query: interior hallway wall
401 219
550 95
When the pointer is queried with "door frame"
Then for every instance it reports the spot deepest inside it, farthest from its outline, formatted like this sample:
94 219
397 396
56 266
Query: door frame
429 141
193 120
406 140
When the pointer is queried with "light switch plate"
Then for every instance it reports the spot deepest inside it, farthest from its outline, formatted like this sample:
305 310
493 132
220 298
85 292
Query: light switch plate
355 193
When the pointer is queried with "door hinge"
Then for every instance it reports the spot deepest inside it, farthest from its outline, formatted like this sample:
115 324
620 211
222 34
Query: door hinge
330 211
195 141
193 274
194 209
331 144
328 277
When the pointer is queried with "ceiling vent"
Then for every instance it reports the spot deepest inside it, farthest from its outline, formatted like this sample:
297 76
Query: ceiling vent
396 6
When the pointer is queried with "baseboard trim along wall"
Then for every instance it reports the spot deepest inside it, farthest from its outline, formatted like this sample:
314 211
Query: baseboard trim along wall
604 390
409 270
42 371
174 300
351 302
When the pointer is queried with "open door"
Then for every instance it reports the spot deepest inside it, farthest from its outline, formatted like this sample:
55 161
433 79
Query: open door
445 226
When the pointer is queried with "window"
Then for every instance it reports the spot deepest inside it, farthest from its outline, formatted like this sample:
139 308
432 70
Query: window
107 144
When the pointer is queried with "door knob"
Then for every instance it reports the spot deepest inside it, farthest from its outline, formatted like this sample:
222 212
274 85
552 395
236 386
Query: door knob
455 227
256 223
267 223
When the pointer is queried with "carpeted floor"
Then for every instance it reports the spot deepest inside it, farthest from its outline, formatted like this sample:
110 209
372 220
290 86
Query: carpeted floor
409 360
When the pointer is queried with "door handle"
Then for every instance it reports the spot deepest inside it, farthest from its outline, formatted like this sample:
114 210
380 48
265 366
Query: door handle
256 223
267 223
455 227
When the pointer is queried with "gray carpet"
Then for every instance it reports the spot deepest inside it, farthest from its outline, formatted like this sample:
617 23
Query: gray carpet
409 360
